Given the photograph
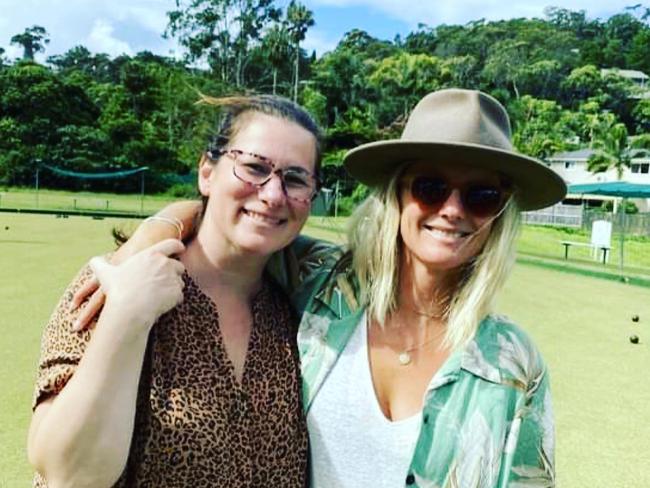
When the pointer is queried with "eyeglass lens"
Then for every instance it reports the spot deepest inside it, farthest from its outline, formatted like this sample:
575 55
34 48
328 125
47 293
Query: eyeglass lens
251 168
481 200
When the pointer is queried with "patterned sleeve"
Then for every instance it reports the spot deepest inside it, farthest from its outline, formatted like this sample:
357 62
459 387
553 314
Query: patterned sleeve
531 441
61 347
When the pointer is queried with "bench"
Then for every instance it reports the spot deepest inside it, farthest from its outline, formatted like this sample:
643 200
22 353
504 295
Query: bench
603 249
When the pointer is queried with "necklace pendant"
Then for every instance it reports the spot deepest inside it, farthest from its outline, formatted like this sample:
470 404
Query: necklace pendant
404 358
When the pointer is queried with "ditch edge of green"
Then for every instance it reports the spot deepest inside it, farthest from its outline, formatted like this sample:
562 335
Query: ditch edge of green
628 279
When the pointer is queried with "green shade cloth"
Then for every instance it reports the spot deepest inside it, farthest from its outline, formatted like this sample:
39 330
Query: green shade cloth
95 176
612 189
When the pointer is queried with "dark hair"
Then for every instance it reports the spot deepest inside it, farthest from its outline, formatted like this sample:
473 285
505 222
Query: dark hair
235 108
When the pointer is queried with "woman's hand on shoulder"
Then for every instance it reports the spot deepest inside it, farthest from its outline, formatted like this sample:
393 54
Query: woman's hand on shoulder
144 286
148 233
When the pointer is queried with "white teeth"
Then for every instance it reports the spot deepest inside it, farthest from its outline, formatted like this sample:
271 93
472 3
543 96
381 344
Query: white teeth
261 218
445 234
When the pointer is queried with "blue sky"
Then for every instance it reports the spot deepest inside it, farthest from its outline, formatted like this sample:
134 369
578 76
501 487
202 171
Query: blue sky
129 26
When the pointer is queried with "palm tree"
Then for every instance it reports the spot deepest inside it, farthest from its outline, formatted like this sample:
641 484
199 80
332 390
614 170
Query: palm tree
33 41
276 44
614 149
299 19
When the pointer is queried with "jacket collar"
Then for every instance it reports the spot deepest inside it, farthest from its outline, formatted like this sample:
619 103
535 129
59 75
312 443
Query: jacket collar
470 359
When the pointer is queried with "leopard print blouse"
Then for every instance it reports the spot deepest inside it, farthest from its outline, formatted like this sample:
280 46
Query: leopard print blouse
196 425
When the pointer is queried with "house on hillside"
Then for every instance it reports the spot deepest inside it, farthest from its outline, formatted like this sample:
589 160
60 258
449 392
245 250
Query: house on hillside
640 80
572 167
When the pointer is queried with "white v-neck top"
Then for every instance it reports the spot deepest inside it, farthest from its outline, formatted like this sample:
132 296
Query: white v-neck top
352 443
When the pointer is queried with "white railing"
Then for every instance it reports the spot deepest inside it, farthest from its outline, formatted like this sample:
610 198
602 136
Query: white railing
563 215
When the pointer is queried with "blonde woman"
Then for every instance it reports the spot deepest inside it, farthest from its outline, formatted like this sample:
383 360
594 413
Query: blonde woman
409 378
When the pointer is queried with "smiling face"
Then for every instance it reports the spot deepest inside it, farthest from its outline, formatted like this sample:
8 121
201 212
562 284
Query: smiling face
446 236
249 219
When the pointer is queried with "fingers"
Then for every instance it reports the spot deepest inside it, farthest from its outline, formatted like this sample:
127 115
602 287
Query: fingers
100 267
88 288
179 267
88 313
147 275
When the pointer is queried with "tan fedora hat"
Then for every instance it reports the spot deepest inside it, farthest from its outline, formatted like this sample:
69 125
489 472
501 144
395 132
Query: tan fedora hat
455 126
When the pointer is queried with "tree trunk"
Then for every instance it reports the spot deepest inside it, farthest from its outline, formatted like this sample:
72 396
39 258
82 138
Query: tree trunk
514 87
238 70
295 73
28 52
275 79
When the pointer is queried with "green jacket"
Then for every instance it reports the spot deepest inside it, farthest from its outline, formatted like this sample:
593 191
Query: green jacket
487 419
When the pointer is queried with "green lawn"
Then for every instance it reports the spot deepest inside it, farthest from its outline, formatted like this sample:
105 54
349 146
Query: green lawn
65 200
545 242
536 241
600 381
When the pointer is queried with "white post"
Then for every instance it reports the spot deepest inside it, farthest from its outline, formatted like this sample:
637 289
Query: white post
621 231
336 199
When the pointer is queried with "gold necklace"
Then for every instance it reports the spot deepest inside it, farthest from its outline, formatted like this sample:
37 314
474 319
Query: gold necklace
437 315
405 358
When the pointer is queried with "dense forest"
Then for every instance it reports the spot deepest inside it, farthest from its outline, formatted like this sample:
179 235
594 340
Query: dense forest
87 112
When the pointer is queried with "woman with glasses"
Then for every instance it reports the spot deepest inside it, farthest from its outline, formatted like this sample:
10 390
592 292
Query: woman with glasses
190 377
409 377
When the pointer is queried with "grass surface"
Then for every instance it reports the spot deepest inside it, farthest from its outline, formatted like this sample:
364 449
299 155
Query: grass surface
64 200
541 241
600 381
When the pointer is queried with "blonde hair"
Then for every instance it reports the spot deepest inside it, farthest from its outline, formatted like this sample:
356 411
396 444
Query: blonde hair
375 243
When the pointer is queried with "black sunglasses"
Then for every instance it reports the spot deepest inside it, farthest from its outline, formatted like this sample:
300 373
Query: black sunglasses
480 200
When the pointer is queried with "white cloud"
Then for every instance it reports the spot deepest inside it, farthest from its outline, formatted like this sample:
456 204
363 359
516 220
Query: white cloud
434 13
115 27
101 39
13 51
152 19
319 41
150 14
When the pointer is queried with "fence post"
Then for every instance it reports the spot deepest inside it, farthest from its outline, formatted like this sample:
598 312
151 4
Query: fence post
621 231
37 172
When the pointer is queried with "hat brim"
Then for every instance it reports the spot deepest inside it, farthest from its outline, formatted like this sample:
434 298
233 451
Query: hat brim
537 186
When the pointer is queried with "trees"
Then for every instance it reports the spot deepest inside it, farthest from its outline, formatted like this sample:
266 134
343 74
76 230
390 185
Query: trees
276 45
582 83
401 80
33 40
504 64
641 114
612 150
540 128
299 20
221 32
88 111
35 105
80 59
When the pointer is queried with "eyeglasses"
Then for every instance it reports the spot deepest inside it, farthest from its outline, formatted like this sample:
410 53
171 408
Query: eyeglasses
480 200
297 183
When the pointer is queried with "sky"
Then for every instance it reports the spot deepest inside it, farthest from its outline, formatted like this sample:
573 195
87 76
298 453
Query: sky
129 26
